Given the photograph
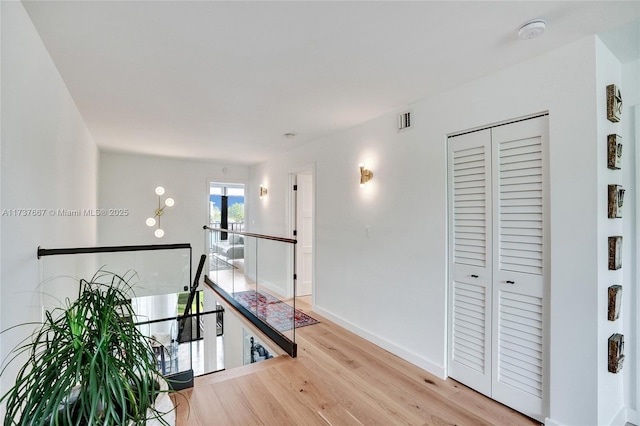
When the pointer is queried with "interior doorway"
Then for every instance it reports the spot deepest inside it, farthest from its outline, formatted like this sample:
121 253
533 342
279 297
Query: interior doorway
303 201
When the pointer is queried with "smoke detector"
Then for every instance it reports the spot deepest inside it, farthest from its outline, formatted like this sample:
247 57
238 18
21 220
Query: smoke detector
532 29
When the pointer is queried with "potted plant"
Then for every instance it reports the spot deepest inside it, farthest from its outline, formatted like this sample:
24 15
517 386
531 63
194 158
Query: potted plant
88 364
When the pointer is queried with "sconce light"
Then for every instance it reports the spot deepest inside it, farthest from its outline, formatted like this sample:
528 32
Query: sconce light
159 233
263 191
365 175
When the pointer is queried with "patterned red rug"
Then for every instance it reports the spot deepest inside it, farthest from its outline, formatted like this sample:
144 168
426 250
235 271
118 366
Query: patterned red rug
272 310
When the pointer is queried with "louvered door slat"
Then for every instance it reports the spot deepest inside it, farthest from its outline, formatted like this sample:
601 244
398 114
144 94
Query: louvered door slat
521 229
468 221
526 174
521 351
522 194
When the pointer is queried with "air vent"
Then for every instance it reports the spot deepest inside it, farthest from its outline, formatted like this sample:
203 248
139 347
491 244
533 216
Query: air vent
404 121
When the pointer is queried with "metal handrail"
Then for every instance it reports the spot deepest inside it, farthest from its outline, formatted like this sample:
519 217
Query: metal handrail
249 234
179 317
110 249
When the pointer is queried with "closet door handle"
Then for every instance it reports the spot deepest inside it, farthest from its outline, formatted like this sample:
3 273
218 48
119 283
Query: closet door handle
474 276
510 282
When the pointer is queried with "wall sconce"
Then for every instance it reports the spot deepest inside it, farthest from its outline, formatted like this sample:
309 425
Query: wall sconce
159 233
263 191
365 175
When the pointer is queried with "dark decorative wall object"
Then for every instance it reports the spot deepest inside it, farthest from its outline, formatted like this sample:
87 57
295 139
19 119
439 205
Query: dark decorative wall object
615 201
615 302
616 352
615 253
614 103
614 152
616 197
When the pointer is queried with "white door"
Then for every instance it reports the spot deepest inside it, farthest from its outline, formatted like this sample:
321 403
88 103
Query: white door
304 227
518 265
498 238
470 252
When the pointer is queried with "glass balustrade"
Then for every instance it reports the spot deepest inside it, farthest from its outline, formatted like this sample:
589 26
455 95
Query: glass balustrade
256 273
186 342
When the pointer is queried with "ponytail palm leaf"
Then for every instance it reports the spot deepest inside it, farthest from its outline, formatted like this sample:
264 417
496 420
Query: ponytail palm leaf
87 363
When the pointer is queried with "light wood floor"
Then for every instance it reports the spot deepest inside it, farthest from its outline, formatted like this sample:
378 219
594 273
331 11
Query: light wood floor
338 378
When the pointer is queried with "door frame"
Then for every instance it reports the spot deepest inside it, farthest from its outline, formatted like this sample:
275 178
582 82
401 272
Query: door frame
309 168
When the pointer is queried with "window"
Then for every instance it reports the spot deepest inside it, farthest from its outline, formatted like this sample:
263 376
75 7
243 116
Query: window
226 206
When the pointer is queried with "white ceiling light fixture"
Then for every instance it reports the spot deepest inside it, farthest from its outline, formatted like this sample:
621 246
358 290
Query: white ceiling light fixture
532 29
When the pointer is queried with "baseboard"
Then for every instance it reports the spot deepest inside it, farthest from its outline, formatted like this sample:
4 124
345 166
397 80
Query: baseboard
624 415
275 290
407 355
621 418
632 416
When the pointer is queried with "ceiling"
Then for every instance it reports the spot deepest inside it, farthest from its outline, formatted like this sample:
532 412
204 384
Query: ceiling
227 80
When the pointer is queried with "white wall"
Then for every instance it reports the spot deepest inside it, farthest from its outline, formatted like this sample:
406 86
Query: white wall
392 286
1 327
49 161
629 125
610 386
129 181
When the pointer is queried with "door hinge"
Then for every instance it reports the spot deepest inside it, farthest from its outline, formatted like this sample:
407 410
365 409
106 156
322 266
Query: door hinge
295 233
295 187
295 276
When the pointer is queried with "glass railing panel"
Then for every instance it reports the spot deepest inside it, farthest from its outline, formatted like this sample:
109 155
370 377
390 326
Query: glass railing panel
226 259
148 272
151 315
156 272
270 267
158 276
59 279
191 344
208 354
261 282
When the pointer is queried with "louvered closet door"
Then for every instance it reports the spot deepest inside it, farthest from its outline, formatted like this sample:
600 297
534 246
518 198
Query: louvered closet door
519 245
497 252
471 260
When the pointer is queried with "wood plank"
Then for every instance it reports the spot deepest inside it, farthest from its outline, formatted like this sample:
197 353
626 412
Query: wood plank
235 404
267 405
233 373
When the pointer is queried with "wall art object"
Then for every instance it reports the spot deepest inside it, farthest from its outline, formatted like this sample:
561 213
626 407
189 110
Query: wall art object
616 198
614 152
615 302
616 352
614 103
615 253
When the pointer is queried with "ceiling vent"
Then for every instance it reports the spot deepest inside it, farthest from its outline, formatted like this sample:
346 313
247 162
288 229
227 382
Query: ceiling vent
404 121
